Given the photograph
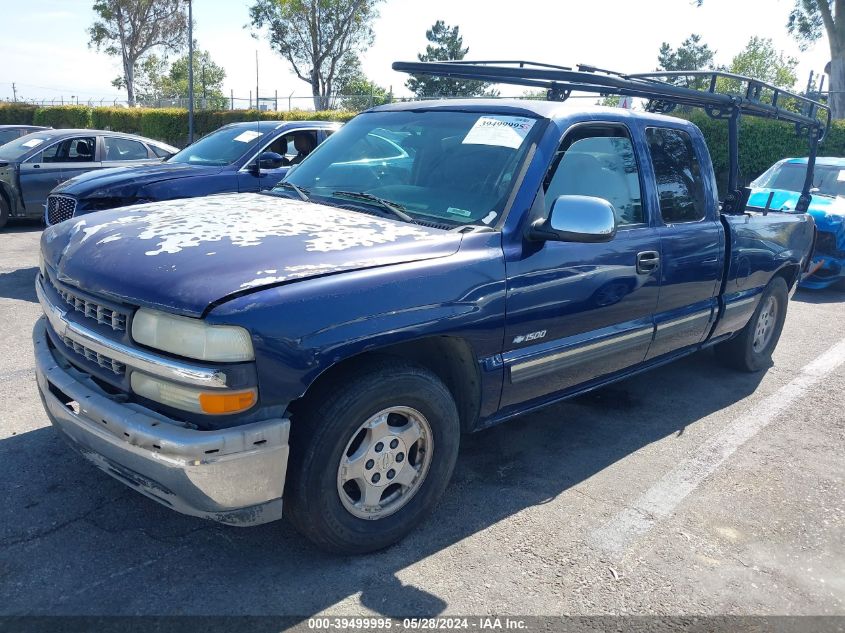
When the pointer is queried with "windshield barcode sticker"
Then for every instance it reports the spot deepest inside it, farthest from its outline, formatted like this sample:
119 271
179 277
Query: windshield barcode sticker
248 136
501 131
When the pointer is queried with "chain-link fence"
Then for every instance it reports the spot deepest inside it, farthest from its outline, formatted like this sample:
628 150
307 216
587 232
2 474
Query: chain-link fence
274 103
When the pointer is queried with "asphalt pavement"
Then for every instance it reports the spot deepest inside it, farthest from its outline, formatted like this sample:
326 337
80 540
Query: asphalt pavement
690 489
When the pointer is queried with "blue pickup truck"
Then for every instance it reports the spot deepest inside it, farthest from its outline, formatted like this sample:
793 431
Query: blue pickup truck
328 342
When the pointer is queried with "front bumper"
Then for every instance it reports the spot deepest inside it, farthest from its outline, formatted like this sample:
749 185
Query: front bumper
234 476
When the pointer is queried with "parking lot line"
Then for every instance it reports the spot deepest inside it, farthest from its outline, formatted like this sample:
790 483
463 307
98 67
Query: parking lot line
660 500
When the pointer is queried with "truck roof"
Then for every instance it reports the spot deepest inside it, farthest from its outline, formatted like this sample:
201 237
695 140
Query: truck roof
525 107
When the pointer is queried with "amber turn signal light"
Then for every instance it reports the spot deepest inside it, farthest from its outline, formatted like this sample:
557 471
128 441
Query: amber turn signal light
224 403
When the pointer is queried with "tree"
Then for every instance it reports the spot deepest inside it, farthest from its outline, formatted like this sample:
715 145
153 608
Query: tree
315 36
208 80
156 80
132 28
692 54
807 21
356 92
148 77
760 60
446 43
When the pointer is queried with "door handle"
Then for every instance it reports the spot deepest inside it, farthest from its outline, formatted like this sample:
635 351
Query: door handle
647 262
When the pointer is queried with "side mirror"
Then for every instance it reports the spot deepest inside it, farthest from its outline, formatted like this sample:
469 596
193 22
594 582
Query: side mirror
270 160
577 219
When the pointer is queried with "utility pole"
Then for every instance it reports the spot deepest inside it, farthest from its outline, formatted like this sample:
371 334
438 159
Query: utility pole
15 91
190 72
256 80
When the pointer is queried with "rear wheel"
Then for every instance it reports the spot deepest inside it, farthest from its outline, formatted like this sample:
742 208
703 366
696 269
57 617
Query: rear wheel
371 458
751 350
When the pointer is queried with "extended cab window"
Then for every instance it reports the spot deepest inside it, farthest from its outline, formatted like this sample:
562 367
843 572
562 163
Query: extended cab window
678 175
599 162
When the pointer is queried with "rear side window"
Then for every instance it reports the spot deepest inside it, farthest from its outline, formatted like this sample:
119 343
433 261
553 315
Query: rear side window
678 175
124 149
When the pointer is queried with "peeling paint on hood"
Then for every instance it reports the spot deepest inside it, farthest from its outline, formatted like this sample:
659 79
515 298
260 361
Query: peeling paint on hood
183 255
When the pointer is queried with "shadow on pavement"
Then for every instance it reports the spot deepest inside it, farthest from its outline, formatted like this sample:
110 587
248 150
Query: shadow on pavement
74 541
828 295
19 284
23 226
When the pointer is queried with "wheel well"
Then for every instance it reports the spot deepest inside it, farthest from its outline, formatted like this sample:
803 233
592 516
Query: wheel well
790 274
450 358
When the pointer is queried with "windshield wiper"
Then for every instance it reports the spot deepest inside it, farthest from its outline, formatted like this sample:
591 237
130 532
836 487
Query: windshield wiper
394 207
302 193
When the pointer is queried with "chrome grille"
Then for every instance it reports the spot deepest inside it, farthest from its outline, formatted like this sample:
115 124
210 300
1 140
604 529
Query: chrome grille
103 315
59 209
94 357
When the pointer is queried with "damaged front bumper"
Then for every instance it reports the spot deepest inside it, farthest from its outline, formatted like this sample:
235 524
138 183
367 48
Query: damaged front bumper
827 267
234 476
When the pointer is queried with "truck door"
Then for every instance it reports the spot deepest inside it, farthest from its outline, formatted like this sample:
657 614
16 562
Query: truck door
579 311
691 240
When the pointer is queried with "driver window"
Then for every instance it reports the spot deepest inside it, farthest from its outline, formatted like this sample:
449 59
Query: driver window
598 162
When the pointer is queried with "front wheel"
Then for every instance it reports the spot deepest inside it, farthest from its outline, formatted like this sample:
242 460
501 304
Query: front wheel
751 350
371 458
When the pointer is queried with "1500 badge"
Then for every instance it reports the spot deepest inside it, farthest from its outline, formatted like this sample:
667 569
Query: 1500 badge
533 336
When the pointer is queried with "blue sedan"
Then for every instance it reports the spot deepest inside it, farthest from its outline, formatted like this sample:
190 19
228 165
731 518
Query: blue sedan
240 157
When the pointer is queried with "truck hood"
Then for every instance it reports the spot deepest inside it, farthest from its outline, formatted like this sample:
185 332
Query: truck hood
829 213
118 181
183 255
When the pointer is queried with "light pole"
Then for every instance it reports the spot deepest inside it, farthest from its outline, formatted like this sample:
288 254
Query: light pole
190 72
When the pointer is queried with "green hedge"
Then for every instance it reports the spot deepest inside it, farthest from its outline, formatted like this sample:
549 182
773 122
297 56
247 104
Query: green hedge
166 124
762 142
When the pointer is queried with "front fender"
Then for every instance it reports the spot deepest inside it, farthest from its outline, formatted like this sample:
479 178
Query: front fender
301 329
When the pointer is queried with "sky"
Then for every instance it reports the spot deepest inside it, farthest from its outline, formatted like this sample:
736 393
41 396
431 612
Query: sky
44 43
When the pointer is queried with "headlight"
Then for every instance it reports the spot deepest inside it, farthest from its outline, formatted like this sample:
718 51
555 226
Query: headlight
192 338
194 400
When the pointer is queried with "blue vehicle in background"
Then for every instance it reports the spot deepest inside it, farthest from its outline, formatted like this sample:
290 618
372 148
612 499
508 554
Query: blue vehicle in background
239 157
436 268
779 188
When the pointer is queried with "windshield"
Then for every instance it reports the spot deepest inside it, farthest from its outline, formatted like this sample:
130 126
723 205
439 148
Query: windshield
17 148
219 148
828 179
445 167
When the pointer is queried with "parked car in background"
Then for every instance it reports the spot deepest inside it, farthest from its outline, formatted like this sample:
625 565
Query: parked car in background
11 132
31 166
778 189
240 157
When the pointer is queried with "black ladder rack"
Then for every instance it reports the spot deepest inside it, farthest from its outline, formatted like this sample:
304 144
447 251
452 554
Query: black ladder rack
664 92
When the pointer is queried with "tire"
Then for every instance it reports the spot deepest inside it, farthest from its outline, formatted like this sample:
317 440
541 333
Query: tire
320 496
4 212
751 350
